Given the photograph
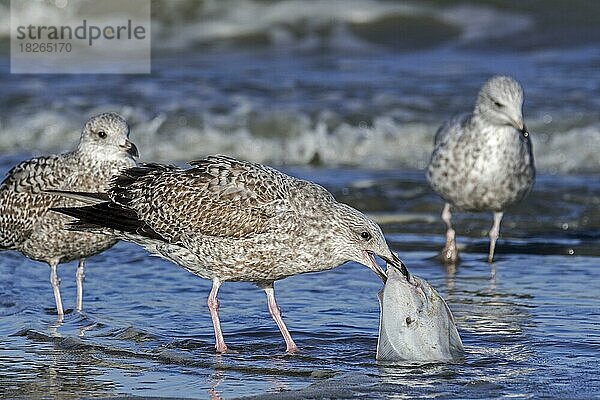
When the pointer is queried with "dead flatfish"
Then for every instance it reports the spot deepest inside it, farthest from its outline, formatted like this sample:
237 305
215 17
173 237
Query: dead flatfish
415 323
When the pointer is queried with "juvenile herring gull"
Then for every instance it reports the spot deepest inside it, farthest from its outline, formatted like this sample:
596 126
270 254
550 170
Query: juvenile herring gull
27 225
230 220
483 161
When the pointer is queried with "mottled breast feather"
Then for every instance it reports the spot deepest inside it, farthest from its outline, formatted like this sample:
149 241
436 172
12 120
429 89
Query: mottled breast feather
219 196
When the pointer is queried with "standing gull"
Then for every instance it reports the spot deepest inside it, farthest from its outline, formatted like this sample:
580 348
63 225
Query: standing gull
25 223
483 161
230 220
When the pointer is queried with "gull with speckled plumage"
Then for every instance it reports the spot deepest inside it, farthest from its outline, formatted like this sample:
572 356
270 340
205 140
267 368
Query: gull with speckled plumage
27 225
231 220
483 161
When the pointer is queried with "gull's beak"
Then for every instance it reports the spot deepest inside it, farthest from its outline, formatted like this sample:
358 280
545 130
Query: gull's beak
373 266
521 127
395 261
130 148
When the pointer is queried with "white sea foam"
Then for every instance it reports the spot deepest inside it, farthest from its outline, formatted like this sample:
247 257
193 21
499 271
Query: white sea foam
574 150
295 139
476 21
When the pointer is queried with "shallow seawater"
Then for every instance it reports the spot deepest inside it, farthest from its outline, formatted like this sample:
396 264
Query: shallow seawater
530 323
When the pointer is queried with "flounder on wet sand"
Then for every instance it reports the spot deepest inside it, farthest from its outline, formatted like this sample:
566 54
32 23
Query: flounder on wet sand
415 323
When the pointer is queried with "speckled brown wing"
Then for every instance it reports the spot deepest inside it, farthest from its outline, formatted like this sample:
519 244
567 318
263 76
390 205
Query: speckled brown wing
34 175
22 201
218 196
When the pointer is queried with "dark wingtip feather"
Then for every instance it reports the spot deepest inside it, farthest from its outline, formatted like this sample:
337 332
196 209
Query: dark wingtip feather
108 216
86 197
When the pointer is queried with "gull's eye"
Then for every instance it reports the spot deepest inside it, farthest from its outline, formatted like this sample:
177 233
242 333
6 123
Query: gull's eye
365 235
498 104
101 134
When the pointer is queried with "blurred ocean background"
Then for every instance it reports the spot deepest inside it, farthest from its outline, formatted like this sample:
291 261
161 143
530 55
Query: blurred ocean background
348 94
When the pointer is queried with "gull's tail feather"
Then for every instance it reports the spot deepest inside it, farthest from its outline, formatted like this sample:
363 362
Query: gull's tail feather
86 197
105 217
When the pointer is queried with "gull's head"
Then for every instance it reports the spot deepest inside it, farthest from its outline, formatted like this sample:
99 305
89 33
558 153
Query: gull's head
359 239
107 136
500 102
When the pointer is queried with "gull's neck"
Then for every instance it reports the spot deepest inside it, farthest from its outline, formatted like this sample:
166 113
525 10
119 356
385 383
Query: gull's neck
487 130
102 155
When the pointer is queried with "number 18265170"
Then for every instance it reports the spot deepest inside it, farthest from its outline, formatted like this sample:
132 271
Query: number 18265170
35 47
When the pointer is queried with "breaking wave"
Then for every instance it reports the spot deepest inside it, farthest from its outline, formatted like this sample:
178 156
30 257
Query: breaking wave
347 24
293 139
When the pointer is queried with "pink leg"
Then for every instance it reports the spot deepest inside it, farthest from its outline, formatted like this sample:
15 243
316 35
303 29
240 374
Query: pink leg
494 233
213 306
276 314
56 289
79 276
449 252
